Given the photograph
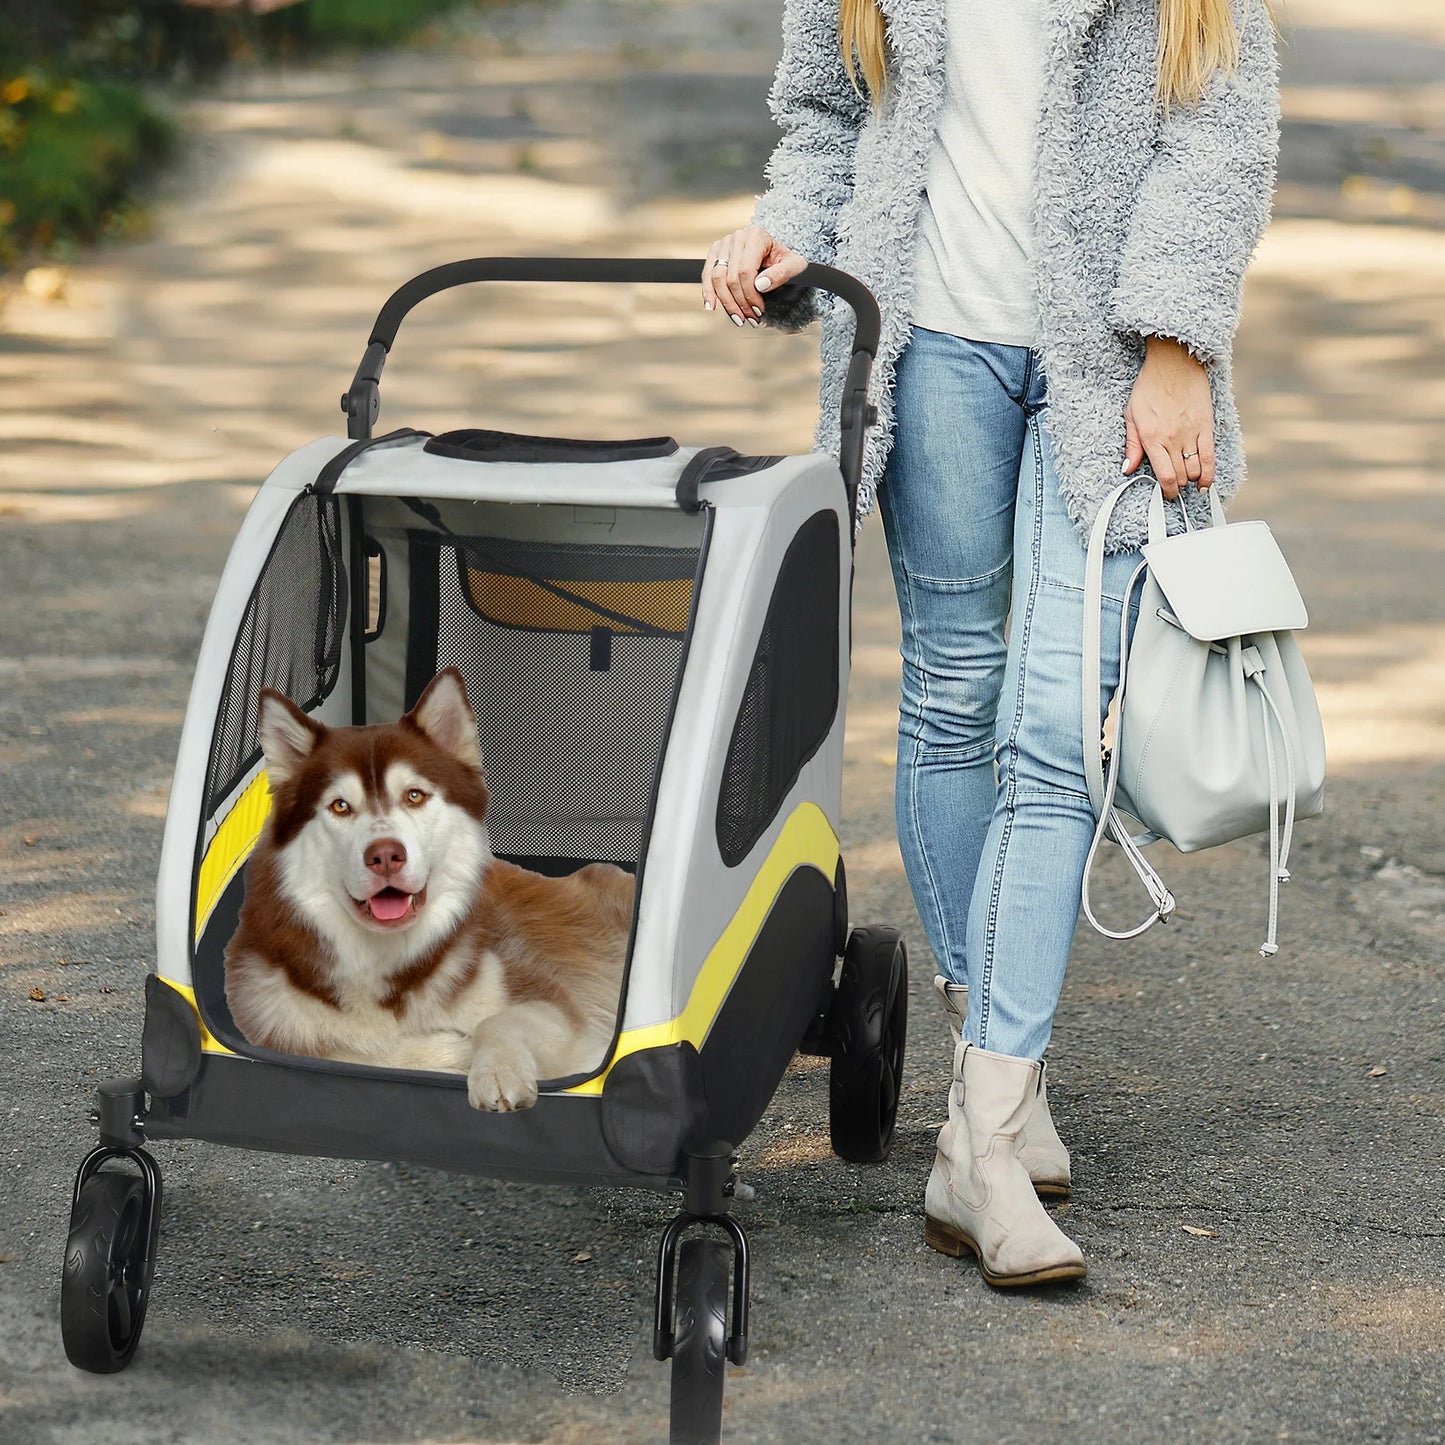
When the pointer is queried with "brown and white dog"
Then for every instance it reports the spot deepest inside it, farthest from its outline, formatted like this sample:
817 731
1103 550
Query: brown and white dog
379 929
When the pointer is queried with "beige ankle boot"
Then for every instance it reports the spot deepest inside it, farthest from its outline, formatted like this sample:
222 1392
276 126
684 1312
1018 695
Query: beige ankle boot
1041 1151
979 1195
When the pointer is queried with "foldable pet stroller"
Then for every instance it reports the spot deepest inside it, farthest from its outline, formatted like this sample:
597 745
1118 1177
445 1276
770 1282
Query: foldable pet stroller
655 640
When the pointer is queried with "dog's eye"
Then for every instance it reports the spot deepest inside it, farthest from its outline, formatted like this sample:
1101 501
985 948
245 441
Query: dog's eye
339 806
415 797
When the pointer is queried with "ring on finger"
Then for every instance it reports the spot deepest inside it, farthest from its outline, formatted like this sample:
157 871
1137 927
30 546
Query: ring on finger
1187 455
721 261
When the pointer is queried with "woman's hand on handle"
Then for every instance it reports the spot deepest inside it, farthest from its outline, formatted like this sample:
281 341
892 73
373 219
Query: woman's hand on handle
1170 418
741 267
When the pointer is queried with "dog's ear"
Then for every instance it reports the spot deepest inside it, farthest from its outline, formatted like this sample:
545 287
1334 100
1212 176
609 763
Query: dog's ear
445 715
288 736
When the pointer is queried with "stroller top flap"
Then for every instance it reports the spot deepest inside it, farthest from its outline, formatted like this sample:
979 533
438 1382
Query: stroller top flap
407 464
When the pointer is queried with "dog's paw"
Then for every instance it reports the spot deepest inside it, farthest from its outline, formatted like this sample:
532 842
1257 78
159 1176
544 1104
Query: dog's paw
501 1081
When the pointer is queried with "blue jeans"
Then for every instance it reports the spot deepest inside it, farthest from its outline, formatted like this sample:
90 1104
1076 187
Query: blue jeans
994 820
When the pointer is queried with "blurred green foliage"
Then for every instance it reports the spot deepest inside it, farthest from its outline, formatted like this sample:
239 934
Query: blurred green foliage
70 152
80 128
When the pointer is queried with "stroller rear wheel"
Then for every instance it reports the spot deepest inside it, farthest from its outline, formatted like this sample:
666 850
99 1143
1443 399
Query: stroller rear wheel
868 1024
109 1264
699 1351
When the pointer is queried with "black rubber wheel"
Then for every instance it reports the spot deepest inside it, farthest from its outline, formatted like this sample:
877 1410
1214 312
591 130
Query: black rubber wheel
868 1025
109 1262
700 1342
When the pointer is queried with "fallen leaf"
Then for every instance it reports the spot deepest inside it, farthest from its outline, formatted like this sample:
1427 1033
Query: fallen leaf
37 995
62 998
581 1258
1201 1233
7 1255
30 840
1378 1072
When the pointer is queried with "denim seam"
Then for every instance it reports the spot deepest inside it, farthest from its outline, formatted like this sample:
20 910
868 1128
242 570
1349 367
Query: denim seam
1023 397
959 752
1010 769
913 774
1048 795
963 584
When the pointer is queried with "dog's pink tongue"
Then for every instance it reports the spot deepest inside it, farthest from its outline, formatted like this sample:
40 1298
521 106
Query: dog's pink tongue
390 905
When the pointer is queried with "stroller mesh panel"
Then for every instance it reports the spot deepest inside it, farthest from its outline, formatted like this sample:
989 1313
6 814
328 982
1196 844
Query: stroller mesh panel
290 638
791 695
571 691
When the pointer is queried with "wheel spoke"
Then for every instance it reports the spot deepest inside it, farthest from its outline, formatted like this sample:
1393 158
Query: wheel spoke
126 1230
120 1310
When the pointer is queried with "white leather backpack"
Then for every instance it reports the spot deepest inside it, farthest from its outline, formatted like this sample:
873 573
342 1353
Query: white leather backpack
1217 733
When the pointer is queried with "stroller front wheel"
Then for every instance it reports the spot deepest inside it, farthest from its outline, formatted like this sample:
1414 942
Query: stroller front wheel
699 1351
109 1264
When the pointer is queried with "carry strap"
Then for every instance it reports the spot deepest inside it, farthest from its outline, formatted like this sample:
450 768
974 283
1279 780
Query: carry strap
330 474
1102 782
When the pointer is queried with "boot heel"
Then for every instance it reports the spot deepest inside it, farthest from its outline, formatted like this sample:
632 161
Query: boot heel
939 1236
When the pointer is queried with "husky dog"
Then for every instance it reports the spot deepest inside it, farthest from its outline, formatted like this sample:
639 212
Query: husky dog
379 929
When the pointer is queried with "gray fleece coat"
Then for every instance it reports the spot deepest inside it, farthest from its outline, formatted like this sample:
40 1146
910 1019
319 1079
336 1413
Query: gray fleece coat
1143 222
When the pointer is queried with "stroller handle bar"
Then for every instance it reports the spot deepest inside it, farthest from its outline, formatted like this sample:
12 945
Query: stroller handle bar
362 402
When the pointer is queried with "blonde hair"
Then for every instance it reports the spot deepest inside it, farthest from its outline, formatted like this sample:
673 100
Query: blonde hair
1197 39
864 41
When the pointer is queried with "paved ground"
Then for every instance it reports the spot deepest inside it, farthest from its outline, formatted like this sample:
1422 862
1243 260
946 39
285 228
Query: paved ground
1258 1146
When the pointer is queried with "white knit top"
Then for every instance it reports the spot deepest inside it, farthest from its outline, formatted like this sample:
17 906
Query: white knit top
974 259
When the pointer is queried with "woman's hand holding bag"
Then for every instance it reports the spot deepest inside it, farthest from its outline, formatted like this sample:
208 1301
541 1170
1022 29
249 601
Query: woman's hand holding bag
1170 418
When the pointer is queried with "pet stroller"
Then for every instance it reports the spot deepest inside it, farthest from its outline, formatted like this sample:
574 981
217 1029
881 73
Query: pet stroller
654 639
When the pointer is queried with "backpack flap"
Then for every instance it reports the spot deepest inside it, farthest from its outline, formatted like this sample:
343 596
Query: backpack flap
1226 581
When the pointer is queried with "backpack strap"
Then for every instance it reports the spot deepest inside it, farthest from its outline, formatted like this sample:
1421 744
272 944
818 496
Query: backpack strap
1102 781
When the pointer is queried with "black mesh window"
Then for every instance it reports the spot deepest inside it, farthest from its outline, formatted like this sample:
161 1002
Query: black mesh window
290 637
570 657
791 695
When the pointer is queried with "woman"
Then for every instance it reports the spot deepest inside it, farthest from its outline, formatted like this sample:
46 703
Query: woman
1054 202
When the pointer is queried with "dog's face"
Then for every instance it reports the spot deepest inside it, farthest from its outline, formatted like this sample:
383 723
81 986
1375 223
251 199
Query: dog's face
379 829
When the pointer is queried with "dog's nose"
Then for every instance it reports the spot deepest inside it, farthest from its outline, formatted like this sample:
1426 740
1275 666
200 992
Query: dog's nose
386 856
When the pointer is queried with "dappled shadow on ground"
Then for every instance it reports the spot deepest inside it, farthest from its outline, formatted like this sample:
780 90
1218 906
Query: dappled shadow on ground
1364 114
